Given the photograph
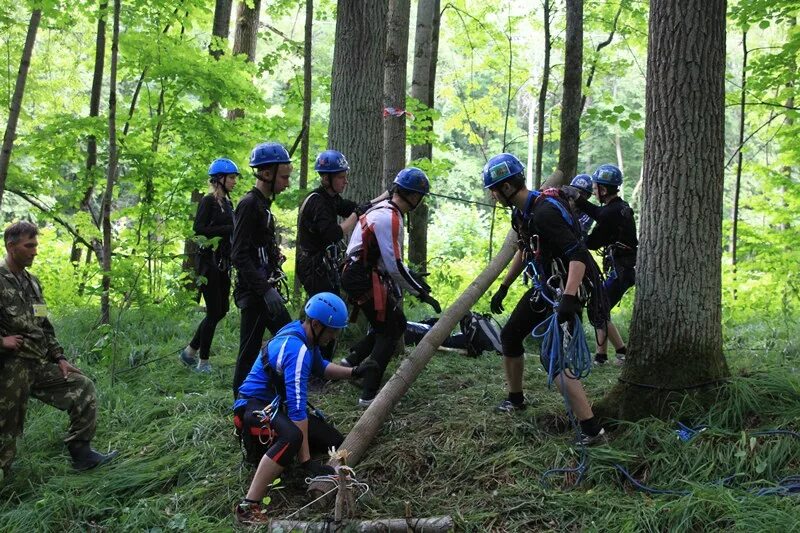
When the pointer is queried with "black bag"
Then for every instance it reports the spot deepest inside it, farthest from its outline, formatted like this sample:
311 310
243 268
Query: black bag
481 333
416 330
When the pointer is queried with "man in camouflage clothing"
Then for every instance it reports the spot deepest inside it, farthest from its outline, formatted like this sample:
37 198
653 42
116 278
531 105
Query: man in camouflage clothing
32 362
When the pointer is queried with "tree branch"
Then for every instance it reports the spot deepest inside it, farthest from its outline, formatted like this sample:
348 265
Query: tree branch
35 202
600 46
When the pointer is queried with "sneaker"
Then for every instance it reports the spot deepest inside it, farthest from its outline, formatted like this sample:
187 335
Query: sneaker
600 359
591 440
619 360
344 362
187 359
247 513
507 406
204 368
365 403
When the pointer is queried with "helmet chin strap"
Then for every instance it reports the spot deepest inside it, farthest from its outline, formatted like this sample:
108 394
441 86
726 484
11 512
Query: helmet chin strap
274 172
314 337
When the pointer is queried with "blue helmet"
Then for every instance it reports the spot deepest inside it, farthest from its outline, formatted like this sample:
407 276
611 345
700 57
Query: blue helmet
269 154
222 166
607 175
328 309
500 168
414 180
582 182
331 162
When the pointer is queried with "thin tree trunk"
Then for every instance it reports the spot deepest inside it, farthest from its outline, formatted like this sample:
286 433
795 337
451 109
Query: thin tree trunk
548 43
739 162
676 332
16 100
245 38
394 89
423 85
573 84
220 28
105 305
356 118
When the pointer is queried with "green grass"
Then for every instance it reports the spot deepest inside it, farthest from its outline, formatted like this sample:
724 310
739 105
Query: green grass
442 451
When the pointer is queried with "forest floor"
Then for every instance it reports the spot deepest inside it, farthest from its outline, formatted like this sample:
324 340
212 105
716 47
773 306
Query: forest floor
442 452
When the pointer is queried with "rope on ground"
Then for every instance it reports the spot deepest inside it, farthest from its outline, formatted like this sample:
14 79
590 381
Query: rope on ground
670 389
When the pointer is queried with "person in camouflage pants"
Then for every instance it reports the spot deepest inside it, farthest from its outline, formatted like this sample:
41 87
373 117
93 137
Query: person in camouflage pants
32 362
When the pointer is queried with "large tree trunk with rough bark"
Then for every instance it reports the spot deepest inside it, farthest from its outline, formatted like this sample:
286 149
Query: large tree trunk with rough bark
16 99
573 84
676 333
111 174
356 120
394 89
246 37
423 83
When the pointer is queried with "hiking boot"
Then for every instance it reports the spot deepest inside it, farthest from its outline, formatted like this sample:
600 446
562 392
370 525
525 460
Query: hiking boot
86 458
365 403
204 368
250 514
507 406
590 440
187 358
600 359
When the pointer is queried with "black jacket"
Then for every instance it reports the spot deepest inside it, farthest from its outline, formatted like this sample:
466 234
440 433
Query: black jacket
255 253
214 220
317 223
615 229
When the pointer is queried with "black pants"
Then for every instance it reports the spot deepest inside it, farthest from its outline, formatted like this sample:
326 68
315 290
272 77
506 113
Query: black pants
286 436
255 320
216 293
315 278
529 312
379 343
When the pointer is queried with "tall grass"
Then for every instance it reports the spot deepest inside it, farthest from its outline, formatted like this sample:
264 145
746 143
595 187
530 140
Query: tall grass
442 451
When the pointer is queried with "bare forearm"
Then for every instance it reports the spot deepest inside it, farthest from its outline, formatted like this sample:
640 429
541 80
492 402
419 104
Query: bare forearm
334 371
574 277
514 270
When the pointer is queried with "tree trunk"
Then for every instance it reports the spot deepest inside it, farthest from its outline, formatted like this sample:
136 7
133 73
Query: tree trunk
305 133
676 333
245 38
548 43
423 84
105 306
573 84
16 99
220 28
94 111
394 89
737 187
356 119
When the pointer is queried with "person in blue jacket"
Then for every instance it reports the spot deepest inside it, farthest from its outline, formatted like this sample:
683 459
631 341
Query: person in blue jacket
271 409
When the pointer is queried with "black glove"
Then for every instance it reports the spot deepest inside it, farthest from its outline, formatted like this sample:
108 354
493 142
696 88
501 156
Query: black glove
315 468
497 300
430 300
571 192
361 209
568 307
367 366
273 301
420 279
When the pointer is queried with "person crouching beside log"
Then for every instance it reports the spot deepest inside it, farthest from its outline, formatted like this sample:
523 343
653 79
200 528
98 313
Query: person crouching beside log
375 277
270 412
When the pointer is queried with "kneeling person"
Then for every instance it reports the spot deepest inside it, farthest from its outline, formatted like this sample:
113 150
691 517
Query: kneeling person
279 378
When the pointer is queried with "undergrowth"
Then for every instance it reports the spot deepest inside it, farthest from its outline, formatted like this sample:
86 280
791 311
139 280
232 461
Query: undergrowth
442 451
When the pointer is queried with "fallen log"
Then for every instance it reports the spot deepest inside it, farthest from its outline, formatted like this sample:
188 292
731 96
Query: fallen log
436 524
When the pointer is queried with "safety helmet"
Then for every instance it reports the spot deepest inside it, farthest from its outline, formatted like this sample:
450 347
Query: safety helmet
607 175
221 167
328 309
582 182
269 153
414 180
500 168
331 162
